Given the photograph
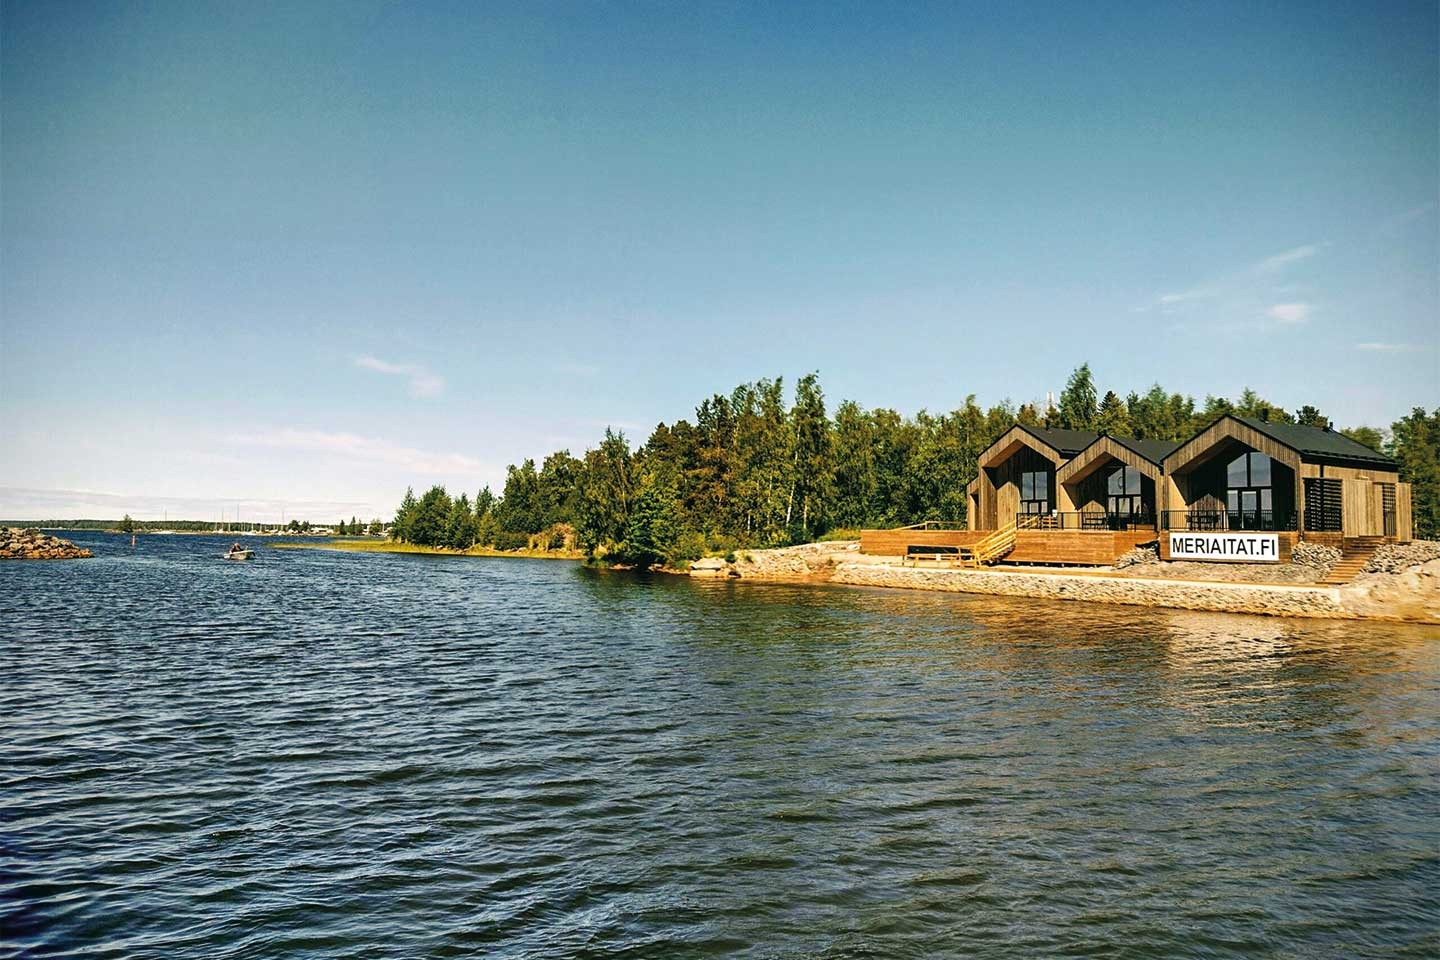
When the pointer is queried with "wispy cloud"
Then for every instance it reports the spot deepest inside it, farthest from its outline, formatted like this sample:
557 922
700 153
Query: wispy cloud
1243 294
1282 260
355 447
1290 313
1376 347
423 383
1184 296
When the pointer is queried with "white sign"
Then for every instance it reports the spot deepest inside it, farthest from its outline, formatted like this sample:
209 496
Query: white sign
1254 547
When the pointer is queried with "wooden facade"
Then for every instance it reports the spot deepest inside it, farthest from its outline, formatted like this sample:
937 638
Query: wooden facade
1316 485
1373 501
1082 479
1195 472
993 497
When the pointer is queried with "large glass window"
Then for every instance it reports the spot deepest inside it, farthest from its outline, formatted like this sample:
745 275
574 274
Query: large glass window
1035 491
1248 495
1123 488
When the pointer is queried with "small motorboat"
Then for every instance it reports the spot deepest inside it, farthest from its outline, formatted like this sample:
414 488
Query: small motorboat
237 552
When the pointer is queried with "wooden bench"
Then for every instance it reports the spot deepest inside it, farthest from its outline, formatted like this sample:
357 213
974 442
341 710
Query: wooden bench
921 551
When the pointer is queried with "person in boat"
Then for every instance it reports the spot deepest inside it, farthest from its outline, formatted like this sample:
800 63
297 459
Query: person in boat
236 548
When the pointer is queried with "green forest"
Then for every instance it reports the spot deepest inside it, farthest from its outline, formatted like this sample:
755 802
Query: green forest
758 468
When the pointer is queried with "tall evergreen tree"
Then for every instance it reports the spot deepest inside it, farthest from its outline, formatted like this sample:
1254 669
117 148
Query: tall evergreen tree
520 508
812 476
484 502
404 516
555 489
460 524
1077 401
1417 448
1113 418
856 472
606 492
431 518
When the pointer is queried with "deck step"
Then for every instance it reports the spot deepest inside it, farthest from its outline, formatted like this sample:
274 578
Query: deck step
1355 553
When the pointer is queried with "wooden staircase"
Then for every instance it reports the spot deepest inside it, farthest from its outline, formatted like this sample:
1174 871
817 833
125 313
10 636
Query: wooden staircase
990 549
1355 552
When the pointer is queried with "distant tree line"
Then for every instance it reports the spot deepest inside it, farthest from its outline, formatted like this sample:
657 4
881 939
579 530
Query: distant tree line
359 528
127 524
756 469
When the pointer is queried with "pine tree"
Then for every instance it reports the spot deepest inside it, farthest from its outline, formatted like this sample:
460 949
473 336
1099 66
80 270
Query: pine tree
1417 448
460 525
606 492
1077 400
1113 418
812 479
856 475
404 516
520 509
431 517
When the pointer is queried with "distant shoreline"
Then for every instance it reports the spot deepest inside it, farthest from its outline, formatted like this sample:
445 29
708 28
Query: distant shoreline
168 532
391 546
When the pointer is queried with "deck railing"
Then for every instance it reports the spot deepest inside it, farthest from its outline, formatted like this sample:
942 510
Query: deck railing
935 525
1097 520
1210 519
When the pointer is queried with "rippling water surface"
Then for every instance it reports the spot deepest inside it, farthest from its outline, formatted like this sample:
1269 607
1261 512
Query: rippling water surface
320 754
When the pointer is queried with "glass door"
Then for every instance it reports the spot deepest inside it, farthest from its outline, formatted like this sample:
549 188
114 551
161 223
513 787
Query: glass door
1249 496
1123 502
1034 492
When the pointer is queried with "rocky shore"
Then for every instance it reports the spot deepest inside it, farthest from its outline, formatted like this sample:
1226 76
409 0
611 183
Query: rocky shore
31 544
1402 583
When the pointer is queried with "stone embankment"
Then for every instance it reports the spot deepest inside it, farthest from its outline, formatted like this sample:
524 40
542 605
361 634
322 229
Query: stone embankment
809 561
1276 599
1401 583
31 544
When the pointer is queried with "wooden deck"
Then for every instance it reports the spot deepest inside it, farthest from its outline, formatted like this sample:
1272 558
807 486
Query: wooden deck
1080 547
894 543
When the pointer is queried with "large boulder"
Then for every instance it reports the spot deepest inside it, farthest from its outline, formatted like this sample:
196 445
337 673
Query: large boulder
31 544
708 567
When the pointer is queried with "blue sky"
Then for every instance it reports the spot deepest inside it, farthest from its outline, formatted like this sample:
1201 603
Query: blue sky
301 255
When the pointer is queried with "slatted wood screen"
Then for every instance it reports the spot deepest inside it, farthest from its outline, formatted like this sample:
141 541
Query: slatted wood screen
1323 504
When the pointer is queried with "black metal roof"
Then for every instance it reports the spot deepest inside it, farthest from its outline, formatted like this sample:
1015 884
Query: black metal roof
1318 443
1067 442
1152 450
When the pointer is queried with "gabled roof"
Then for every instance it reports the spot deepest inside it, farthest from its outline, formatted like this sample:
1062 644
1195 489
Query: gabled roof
1312 444
1066 442
1132 452
1318 443
1152 450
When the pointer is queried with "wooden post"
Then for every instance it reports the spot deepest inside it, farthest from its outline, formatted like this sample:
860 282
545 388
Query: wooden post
1299 502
